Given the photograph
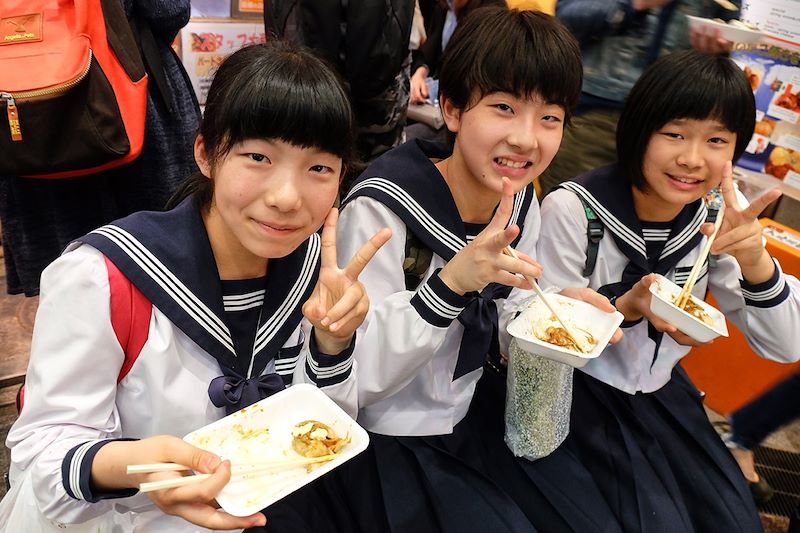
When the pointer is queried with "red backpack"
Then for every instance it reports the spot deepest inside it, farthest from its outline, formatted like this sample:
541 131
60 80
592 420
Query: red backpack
73 88
130 318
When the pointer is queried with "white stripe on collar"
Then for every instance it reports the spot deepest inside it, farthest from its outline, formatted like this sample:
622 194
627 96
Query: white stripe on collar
686 234
268 330
621 230
169 283
442 234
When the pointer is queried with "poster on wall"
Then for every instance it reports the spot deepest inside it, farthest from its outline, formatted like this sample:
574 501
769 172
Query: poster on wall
247 8
778 18
205 44
774 74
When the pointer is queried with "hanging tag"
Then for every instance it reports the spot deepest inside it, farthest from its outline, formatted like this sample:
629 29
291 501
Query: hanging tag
13 120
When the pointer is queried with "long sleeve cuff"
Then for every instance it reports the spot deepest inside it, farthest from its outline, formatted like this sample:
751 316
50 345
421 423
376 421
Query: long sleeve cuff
324 369
767 294
76 473
436 303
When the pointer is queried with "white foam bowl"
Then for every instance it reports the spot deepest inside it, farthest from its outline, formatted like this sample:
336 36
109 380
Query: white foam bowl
662 305
578 314
268 425
735 34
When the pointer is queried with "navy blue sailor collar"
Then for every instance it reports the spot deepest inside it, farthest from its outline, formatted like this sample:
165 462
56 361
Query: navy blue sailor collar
608 195
407 181
168 257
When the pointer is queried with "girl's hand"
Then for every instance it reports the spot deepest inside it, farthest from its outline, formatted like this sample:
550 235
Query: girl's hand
635 304
482 261
741 234
194 503
339 302
596 299
419 86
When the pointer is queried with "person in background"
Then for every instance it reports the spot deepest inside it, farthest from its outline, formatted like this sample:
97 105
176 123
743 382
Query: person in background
619 39
367 42
638 424
40 217
230 273
754 422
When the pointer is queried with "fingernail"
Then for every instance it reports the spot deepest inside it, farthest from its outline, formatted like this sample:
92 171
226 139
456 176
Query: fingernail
325 321
334 326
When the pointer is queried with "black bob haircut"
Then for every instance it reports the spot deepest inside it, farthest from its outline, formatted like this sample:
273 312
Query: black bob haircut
274 90
683 85
524 53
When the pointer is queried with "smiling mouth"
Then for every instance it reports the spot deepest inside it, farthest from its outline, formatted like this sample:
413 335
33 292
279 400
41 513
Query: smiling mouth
682 179
502 161
283 229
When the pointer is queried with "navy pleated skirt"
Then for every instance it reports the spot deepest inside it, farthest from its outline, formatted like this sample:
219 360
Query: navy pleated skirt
467 481
657 460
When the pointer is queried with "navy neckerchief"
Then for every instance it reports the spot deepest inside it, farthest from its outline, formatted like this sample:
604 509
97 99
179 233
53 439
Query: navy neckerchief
168 257
605 191
407 182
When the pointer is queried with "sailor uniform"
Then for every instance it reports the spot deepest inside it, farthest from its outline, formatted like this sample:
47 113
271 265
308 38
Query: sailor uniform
437 460
190 372
637 421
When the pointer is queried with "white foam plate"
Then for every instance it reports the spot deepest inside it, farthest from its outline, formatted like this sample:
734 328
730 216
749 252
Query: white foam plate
578 314
735 34
662 305
263 432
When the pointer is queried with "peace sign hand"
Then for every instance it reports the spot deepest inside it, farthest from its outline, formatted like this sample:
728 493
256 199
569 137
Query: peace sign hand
339 302
482 261
741 234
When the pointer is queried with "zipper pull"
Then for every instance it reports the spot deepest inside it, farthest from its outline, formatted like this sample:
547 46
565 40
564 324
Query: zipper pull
13 116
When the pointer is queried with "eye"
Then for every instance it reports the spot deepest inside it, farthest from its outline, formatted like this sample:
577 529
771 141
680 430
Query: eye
504 107
321 169
672 135
718 140
258 157
552 118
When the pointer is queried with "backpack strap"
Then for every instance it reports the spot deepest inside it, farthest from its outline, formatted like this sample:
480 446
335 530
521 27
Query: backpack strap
416 262
130 316
594 234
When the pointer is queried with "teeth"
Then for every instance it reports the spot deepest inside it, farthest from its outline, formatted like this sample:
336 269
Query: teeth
513 164
685 180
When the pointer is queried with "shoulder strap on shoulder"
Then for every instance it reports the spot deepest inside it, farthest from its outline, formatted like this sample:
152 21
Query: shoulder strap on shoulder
416 262
130 316
594 234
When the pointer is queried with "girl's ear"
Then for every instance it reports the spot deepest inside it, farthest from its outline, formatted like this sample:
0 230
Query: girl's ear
450 113
201 156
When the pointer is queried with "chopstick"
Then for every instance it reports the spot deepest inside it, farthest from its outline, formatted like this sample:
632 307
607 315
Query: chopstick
686 292
236 470
508 250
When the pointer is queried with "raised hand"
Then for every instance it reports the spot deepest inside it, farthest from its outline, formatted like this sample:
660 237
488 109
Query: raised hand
741 234
194 503
590 296
339 302
482 261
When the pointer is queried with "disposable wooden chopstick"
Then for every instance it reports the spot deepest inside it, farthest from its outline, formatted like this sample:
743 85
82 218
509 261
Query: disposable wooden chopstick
510 251
236 470
175 467
686 292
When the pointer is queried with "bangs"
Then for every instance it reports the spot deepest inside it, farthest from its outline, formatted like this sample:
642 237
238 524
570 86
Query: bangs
289 95
684 85
527 54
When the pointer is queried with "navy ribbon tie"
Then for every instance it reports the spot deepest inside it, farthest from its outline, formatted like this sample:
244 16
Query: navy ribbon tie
233 392
479 319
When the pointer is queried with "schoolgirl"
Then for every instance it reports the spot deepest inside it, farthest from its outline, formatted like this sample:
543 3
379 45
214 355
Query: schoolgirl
438 461
638 422
230 272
